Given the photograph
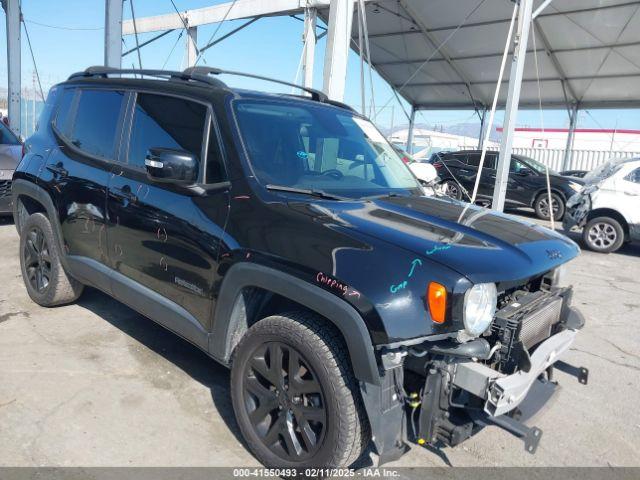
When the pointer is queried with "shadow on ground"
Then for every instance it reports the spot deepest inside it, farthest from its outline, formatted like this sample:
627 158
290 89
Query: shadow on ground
190 359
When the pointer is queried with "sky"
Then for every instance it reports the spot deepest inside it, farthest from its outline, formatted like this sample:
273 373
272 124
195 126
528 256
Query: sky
67 36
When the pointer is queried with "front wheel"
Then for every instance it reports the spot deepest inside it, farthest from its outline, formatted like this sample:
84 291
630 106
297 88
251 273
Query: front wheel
294 394
541 206
603 234
452 189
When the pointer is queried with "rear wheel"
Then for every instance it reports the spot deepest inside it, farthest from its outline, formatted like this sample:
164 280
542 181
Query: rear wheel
452 189
603 234
295 396
46 281
541 206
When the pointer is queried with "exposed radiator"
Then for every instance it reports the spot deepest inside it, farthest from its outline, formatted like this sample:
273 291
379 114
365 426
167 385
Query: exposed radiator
537 326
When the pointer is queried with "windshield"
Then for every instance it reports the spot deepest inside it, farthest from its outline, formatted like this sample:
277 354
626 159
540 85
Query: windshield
315 147
536 165
605 170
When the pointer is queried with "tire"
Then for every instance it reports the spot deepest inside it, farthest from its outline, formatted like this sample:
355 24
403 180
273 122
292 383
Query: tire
335 420
44 277
452 189
541 206
603 234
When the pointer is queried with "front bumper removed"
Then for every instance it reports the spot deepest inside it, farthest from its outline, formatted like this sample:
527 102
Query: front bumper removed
503 393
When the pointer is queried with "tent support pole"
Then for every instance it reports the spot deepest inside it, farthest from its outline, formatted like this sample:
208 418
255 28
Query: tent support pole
513 99
12 8
483 126
412 121
337 49
113 33
191 46
310 18
568 151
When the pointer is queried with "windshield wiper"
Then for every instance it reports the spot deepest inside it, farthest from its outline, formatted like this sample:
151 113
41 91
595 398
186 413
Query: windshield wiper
305 191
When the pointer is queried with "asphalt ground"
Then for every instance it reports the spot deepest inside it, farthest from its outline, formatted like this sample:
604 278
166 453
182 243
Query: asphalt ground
96 384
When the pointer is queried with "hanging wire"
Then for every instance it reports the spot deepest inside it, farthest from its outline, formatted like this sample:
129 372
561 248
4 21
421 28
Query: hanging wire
33 58
172 49
546 167
216 30
437 50
494 105
63 27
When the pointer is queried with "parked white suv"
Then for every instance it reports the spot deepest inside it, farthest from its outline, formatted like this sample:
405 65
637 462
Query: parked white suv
607 209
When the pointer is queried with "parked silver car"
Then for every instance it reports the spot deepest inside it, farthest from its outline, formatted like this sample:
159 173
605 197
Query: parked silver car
10 155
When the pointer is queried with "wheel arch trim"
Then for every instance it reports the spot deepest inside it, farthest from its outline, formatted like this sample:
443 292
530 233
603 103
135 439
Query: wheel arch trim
229 326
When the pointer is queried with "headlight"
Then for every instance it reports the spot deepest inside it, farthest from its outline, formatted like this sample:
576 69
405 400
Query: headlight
576 187
480 303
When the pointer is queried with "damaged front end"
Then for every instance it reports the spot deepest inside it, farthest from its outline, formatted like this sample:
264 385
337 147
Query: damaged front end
442 391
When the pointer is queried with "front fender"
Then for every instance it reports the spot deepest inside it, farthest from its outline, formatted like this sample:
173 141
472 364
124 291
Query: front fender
228 327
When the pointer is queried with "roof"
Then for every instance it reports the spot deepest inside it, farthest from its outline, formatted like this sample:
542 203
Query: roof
590 46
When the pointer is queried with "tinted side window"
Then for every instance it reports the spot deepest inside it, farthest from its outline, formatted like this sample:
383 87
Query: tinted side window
634 176
473 160
490 161
215 165
63 118
96 121
168 122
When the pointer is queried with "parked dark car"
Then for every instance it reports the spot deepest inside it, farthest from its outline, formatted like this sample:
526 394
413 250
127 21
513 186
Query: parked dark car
283 236
574 173
10 155
527 185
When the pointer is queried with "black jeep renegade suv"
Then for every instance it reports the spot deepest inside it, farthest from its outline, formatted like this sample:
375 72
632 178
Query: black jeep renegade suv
283 236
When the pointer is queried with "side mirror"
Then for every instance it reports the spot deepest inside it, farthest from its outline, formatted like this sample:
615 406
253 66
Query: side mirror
171 166
525 172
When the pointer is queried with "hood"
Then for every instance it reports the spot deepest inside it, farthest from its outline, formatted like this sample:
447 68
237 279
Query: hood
483 245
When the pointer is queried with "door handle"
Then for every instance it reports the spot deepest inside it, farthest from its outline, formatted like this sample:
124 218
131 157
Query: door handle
58 170
125 193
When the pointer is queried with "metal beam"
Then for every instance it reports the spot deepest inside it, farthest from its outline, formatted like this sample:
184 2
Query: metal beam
192 46
113 33
513 99
12 9
499 54
228 34
573 122
539 10
309 39
412 122
337 48
483 132
151 40
474 94
554 59
228 11
507 20
608 76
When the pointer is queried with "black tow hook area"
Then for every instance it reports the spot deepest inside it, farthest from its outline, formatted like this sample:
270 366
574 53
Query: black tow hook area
530 435
581 373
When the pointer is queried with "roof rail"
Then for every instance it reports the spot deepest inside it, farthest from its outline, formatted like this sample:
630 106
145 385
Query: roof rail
204 72
104 72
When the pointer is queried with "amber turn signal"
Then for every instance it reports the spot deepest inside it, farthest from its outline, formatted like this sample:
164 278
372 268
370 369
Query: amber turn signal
437 300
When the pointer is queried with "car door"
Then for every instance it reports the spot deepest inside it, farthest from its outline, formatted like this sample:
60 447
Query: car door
488 177
87 124
523 182
164 239
629 205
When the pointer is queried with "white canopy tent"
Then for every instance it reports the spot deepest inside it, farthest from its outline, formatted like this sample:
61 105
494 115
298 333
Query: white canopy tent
436 54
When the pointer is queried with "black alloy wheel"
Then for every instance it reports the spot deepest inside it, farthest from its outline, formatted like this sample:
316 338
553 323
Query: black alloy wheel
284 401
37 259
